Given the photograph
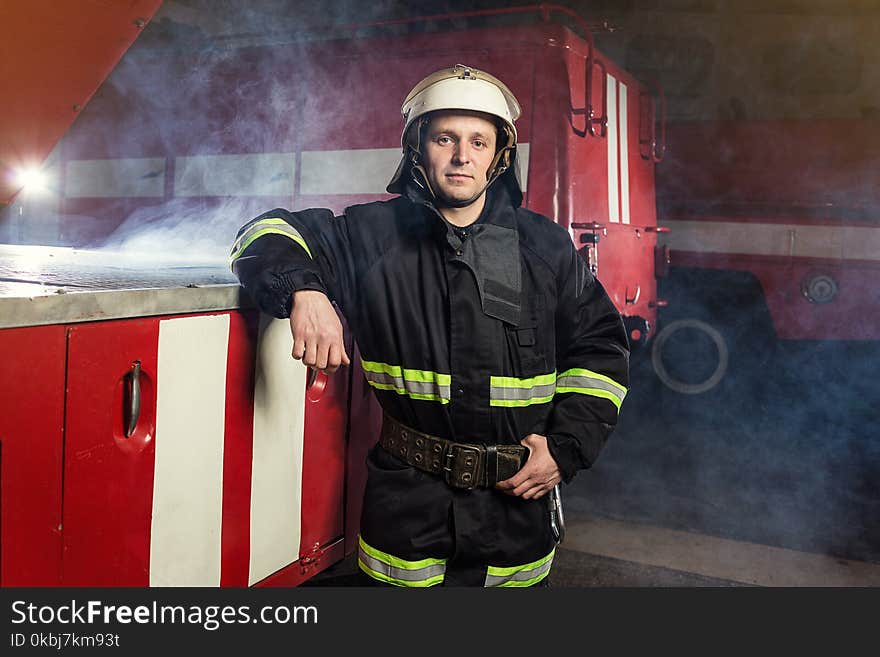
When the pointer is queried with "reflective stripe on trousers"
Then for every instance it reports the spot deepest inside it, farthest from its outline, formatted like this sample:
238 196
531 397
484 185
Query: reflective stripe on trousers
399 572
430 572
525 575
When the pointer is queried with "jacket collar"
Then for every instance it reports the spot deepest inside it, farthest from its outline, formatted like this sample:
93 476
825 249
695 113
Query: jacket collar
490 250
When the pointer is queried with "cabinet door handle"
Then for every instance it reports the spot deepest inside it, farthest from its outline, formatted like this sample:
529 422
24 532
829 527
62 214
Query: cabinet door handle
135 410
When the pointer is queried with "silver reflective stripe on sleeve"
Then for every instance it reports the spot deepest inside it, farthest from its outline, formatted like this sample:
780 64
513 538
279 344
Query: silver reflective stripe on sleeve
587 382
258 228
524 575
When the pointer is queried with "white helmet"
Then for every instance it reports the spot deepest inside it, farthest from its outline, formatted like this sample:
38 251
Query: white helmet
459 87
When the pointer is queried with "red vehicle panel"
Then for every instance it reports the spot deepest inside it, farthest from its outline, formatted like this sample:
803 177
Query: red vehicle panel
791 202
130 475
108 477
31 449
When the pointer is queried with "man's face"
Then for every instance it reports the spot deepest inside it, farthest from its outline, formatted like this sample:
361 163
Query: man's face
457 151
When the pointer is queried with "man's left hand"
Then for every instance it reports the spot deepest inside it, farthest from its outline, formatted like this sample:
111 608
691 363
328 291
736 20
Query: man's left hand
538 476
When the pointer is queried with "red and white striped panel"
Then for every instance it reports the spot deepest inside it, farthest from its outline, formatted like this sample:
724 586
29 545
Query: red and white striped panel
208 489
185 545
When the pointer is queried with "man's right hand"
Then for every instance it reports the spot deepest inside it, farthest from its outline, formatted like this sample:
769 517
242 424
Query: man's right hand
317 332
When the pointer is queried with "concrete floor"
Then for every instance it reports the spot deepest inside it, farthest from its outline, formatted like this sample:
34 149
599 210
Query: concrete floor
654 554
599 552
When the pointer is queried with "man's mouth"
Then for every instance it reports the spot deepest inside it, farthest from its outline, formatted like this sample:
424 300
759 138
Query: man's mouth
458 176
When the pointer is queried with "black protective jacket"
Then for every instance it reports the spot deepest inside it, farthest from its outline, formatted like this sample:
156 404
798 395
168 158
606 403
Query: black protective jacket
433 346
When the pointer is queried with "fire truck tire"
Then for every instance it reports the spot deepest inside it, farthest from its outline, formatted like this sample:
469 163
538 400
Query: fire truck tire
661 342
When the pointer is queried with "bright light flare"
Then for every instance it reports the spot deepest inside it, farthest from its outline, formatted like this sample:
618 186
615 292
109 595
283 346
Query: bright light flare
32 180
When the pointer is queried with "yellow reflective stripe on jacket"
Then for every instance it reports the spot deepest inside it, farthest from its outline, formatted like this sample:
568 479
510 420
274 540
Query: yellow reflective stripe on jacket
417 384
587 382
511 391
400 572
525 575
271 226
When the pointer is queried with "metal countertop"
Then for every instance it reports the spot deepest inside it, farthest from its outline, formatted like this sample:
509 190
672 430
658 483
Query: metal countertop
54 285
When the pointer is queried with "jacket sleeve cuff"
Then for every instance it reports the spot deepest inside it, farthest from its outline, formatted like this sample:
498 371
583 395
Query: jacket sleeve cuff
566 451
281 289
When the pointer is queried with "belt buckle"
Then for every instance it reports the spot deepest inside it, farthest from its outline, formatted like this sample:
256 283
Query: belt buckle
468 478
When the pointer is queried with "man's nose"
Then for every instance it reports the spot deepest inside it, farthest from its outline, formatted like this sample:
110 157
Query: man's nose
462 153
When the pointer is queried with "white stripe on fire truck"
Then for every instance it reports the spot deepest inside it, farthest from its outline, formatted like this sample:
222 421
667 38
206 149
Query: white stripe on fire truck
613 179
250 174
623 131
786 240
117 178
276 480
364 171
522 157
329 173
188 473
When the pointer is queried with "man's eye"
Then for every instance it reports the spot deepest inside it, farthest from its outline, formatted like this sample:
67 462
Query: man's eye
479 144
443 140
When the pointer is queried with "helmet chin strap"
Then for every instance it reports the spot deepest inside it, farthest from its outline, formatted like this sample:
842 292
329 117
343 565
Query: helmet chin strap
451 203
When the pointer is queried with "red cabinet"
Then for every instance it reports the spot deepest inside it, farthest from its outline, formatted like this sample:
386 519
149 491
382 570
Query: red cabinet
108 477
189 449
31 422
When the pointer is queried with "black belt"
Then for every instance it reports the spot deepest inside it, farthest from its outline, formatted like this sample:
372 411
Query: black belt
461 465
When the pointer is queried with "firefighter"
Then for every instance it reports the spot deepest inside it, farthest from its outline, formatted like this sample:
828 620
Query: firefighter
499 361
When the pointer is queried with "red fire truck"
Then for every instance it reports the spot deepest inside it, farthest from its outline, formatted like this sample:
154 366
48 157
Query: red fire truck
775 233
154 429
